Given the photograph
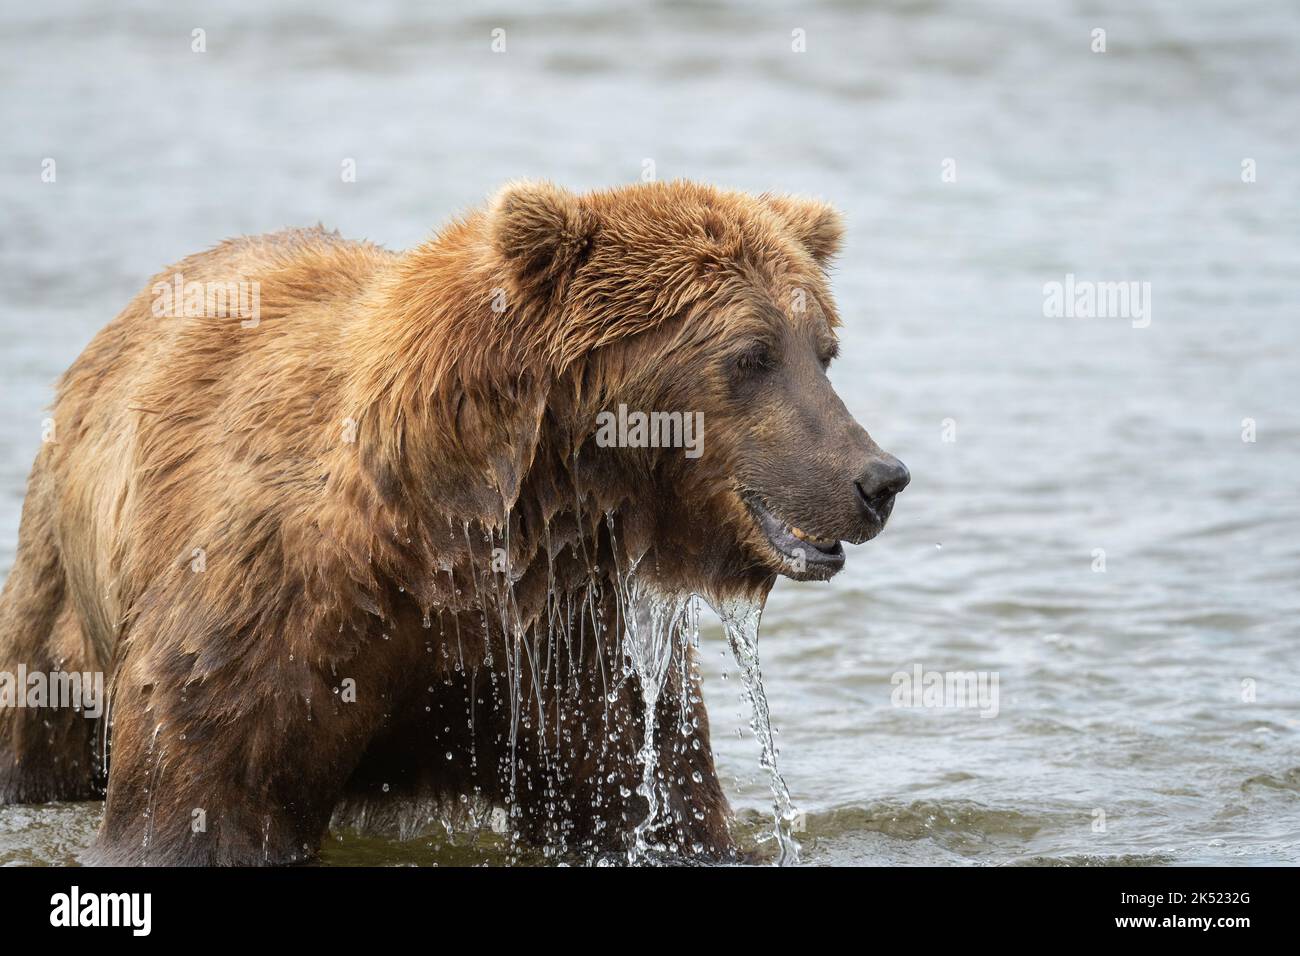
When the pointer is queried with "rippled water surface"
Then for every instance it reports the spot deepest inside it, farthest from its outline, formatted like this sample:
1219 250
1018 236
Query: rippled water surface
1147 713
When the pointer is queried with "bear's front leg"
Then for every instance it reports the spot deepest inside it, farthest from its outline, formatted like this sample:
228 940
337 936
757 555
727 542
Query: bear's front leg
247 788
692 818
585 786
239 764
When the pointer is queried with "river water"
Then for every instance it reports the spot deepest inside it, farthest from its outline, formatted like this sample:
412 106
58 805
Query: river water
1086 529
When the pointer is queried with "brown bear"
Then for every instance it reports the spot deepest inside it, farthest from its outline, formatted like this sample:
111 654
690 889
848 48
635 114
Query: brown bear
360 546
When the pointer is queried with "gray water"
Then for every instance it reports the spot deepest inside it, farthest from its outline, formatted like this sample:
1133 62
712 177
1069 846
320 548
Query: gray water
1160 696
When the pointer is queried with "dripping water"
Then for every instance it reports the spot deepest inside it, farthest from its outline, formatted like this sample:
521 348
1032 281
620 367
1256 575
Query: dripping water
740 620
658 631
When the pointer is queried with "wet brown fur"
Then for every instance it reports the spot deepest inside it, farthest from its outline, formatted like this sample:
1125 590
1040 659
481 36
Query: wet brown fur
330 559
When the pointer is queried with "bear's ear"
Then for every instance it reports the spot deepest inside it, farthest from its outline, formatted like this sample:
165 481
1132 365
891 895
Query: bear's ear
541 230
817 226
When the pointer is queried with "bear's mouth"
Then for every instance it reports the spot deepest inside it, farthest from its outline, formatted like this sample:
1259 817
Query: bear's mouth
804 556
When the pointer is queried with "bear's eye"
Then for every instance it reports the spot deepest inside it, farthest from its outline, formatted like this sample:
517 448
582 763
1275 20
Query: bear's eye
829 355
758 357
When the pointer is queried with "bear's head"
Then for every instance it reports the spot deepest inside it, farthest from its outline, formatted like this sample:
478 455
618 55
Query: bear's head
686 332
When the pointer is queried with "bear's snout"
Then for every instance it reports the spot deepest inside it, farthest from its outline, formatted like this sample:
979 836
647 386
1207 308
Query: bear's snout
875 489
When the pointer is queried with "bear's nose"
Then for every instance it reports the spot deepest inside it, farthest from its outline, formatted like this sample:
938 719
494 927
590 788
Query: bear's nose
884 478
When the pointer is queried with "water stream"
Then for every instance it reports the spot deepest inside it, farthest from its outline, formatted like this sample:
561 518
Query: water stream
740 621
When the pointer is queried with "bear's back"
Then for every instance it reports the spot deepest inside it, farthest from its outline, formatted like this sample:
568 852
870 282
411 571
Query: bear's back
175 408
